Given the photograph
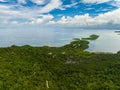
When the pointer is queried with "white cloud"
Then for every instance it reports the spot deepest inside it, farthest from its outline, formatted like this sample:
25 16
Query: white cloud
71 5
111 2
3 0
9 16
35 15
112 17
116 3
6 12
49 5
77 20
54 4
43 20
39 2
95 1
14 22
10 12
22 1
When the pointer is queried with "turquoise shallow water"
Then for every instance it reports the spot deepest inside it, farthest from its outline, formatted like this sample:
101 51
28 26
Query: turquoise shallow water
108 41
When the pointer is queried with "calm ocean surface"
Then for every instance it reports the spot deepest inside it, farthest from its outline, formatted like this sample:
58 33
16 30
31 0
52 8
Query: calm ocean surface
109 41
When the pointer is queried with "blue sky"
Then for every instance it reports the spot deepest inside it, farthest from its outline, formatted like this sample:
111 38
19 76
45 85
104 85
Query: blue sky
62 13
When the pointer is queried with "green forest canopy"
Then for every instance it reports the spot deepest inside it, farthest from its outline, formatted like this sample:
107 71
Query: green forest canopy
58 68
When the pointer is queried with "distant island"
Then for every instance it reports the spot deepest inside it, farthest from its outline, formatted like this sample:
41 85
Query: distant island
68 67
117 31
91 37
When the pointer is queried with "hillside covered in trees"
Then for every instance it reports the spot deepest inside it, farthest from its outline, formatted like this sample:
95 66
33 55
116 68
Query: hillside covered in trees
68 67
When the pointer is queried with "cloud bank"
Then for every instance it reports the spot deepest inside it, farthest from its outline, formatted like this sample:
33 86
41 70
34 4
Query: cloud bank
45 12
112 17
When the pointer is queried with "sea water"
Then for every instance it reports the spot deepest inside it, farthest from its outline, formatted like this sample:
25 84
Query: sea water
109 41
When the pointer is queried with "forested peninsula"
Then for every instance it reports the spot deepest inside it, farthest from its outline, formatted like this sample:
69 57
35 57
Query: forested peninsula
68 67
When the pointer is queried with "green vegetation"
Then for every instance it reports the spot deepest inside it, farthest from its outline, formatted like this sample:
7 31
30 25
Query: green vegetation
92 37
58 68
